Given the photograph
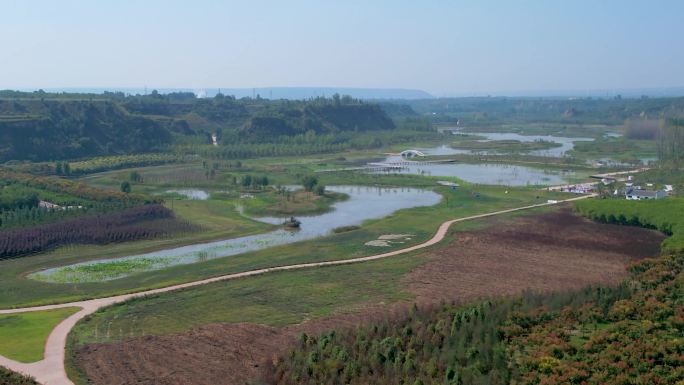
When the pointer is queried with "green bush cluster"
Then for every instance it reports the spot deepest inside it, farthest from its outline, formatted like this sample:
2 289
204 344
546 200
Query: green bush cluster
629 335
8 377
433 345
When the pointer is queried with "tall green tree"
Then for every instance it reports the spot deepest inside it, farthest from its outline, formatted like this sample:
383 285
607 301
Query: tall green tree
125 187
309 182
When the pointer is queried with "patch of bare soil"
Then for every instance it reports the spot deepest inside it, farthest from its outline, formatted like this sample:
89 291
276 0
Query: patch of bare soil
218 354
555 251
213 354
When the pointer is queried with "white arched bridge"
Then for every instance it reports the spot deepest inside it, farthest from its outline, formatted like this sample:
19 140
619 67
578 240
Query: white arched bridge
411 153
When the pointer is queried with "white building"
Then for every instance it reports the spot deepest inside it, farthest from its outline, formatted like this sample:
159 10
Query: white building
638 195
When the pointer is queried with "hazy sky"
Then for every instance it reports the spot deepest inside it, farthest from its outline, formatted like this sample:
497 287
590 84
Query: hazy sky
443 47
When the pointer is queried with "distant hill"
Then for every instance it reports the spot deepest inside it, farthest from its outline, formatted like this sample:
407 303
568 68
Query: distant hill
41 126
653 92
478 111
320 117
52 129
290 93
312 92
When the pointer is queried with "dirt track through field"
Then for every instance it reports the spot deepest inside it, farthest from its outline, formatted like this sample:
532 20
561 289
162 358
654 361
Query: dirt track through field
51 371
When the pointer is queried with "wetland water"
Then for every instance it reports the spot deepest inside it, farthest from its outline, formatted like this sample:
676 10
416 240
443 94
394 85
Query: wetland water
364 203
492 173
483 173
191 193
566 144
497 173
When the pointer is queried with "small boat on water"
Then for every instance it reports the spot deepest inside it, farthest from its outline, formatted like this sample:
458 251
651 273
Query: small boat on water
292 223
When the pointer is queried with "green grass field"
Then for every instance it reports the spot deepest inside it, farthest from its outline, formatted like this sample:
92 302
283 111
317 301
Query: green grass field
23 335
275 299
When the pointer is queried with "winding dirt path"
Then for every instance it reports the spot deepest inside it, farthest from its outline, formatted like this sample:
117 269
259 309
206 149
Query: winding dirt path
50 370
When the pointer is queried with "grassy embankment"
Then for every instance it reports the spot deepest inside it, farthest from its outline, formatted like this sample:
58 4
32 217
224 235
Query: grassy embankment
504 146
23 335
298 202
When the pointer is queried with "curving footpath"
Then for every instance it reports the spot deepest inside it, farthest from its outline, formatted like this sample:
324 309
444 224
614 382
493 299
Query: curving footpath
50 370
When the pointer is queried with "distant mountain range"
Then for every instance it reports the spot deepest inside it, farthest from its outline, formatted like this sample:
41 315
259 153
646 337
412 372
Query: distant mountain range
302 93
266 92
594 93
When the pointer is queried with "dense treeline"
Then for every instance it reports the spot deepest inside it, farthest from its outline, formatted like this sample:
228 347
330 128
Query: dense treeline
641 129
671 142
31 216
96 164
629 334
445 345
107 163
8 377
308 144
398 110
665 215
141 222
